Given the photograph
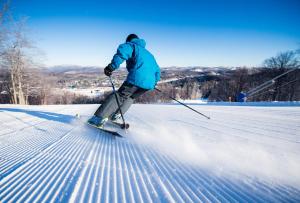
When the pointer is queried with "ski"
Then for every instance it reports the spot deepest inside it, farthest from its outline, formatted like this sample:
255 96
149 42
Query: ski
121 125
105 130
112 132
114 123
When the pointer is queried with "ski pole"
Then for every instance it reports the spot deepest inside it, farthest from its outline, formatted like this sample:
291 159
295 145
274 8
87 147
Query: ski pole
184 105
118 102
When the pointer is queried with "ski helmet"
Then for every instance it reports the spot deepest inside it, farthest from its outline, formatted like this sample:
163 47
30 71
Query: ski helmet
131 37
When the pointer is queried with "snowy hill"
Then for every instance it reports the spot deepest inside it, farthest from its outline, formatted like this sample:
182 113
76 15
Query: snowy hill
170 154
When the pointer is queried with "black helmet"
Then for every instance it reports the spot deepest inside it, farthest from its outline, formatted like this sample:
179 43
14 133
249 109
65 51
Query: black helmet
131 37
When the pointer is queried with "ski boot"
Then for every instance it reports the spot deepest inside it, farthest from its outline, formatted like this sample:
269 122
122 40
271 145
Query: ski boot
116 117
97 122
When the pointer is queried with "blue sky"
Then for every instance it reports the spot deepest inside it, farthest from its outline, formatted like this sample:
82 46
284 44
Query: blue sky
178 32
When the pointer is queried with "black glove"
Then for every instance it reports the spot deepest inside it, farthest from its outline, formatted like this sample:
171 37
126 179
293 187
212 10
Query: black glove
108 70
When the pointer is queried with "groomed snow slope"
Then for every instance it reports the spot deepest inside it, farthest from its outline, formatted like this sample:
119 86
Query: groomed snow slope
170 154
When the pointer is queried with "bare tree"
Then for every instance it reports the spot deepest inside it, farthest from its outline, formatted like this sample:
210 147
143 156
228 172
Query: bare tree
3 32
4 74
16 60
16 56
281 63
283 60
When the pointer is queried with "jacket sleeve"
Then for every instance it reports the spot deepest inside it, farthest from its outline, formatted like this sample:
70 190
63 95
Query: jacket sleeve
124 52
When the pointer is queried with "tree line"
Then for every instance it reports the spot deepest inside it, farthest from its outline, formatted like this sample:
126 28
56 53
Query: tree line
285 88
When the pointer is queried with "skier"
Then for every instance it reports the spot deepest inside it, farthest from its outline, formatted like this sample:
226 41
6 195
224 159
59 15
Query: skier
143 75
241 97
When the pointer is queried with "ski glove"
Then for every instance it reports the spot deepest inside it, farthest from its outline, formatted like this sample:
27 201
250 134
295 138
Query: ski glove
108 70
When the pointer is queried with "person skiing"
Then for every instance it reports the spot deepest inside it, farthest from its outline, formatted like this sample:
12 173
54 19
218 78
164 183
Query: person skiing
143 75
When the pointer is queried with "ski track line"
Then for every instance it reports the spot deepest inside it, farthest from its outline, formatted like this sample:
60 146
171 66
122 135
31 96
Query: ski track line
176 170
278 129
249 133
238 126
144 171
99 169
54 157
17 150
24 128
103 170
42 142
142 174
28 125
169 189
93 170
55 178
178 188
43 180
261 128
220 133
27 128
165 192
216 186
254 119
38 158
120 177
85 175
91 178
129 196
256 193
248 136
106 195
222 199
137 182
29 143
269 190
84 182
185 178
156 162
273 199
133 171
142 177
49 147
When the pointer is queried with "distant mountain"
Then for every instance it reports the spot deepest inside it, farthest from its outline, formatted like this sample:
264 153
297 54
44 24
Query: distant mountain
90 69
72 69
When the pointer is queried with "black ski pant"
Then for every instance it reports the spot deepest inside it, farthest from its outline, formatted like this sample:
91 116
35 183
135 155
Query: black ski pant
127 93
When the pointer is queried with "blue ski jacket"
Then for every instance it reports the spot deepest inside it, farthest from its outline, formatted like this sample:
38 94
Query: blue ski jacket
143 70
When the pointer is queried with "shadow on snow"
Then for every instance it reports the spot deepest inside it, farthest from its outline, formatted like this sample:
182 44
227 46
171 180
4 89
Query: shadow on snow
42 114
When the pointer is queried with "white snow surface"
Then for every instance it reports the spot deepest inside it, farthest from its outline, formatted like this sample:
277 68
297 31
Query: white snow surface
169 154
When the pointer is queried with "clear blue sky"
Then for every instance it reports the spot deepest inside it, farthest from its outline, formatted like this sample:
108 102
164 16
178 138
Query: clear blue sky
178 32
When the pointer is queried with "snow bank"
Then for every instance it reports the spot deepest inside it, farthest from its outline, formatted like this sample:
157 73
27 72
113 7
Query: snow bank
265 104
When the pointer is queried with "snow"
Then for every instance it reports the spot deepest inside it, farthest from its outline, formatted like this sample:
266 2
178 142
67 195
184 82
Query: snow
169 154
257 104
192 101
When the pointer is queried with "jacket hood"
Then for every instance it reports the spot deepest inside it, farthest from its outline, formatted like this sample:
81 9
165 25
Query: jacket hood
139 42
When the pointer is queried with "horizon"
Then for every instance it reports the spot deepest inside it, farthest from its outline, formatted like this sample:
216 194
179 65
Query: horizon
181 34
162 67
